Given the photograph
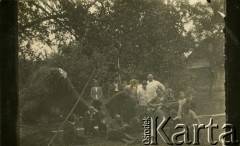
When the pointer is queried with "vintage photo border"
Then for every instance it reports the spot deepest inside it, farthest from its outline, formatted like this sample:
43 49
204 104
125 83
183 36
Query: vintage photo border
9 62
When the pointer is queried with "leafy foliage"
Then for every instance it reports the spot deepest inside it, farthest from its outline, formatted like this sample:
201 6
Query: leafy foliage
48 95
147 36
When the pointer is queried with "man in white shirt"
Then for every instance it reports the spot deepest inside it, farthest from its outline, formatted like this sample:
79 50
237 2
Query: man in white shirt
152 86
96 95
142 93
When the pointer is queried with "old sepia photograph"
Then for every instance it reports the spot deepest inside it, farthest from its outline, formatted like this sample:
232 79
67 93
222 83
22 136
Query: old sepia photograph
122 72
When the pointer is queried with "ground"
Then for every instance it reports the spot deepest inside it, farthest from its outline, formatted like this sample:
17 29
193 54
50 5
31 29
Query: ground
205 106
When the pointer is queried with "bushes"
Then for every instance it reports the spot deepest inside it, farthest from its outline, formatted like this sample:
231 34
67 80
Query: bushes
48 95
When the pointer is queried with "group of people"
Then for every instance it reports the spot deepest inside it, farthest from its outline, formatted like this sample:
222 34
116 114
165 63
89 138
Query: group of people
150 97
143 92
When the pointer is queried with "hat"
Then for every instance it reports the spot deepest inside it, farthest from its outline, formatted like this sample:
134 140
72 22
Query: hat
133 81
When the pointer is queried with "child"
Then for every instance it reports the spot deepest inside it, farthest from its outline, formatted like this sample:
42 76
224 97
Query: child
181 103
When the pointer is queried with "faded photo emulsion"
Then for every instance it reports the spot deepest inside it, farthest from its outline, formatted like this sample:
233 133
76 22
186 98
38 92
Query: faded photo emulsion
122 72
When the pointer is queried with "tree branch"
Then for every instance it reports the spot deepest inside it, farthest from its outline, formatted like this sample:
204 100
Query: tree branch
91 4
50 16
56 19
34 22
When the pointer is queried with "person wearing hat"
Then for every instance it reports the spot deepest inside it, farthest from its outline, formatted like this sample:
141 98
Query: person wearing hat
92 118
131 89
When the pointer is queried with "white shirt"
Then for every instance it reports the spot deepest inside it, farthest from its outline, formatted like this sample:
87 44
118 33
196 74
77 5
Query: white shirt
152 88
96 92
143 96
116 87
181 102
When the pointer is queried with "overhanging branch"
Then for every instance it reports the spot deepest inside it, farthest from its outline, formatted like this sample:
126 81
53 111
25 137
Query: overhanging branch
48 14
40 20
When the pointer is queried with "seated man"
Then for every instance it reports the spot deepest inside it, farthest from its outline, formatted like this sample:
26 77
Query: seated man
189 118
159 100
69 131
70 136
117 131
91 119
157 103
191 99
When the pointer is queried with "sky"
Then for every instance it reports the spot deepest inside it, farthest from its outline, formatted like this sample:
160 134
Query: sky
192 2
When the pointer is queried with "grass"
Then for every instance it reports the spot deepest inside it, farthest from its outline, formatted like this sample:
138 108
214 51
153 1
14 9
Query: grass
205 106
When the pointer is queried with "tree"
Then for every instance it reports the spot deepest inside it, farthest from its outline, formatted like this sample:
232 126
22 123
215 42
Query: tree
207 32
147 36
